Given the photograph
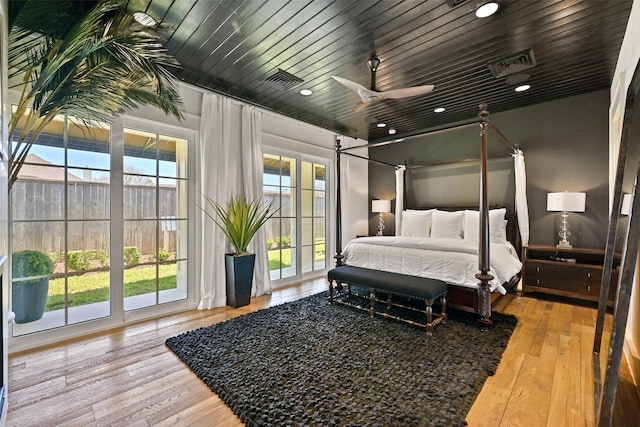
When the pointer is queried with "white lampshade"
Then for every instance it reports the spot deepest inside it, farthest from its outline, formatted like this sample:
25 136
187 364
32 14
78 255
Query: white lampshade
381 206
566 201
626 204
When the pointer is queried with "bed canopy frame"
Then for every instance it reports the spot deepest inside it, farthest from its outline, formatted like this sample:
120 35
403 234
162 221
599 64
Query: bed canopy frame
484 297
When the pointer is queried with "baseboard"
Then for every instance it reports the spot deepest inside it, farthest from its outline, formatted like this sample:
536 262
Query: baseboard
634 366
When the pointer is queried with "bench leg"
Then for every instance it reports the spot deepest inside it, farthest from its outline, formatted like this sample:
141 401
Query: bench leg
443 306
429 312
330 292
372 297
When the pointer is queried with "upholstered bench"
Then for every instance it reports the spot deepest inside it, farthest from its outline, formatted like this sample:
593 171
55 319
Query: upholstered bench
412 287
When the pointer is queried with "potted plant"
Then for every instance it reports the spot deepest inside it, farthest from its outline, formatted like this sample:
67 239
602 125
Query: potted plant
29 297
240 219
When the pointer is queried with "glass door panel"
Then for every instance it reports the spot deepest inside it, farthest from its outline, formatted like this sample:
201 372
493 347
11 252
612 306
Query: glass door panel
155 214
61 207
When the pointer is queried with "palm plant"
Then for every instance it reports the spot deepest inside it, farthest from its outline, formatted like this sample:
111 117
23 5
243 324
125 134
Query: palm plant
91 64
240 219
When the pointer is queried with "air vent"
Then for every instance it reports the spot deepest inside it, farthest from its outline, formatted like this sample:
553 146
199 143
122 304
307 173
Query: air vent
282 80
513 64
456 3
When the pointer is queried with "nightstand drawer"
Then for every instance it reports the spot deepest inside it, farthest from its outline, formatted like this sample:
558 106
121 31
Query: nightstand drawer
544 271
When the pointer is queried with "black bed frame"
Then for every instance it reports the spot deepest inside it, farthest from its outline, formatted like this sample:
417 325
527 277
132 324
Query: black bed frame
459 297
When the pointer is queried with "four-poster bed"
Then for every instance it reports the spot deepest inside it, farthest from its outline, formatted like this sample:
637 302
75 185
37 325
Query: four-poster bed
487 263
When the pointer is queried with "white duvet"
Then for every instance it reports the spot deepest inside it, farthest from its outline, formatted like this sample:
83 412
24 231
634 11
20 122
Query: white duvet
454 261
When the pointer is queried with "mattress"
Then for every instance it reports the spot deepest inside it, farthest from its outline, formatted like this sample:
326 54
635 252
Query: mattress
454 261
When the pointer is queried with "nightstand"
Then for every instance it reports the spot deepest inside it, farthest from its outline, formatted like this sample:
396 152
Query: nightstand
571 272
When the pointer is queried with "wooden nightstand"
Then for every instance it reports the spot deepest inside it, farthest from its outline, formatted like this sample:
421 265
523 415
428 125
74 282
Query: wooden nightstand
571 272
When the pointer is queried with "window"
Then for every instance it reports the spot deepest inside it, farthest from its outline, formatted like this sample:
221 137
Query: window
155 218
296 235
61 207
109 207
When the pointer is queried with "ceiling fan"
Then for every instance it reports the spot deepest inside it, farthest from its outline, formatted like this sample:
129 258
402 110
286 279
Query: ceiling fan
369 96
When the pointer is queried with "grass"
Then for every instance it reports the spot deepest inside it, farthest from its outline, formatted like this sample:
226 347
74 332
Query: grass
276 263
94 287
90 288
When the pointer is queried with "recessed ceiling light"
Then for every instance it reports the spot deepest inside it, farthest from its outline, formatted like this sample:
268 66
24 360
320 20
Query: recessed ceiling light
381 125
439 110
144 19
487 9
392 131
523 88
306 92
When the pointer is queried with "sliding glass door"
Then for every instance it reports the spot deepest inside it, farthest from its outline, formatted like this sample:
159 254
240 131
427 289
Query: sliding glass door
296 235
61 208
155 218
107 206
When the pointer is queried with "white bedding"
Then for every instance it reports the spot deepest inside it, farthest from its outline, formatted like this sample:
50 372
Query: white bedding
454 261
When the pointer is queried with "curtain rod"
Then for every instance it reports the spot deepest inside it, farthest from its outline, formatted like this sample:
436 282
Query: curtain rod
369 159
395 141
495 132
458 162
502 138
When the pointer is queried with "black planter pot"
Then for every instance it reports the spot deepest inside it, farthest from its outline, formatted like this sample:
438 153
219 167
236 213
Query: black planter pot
28 300
239 278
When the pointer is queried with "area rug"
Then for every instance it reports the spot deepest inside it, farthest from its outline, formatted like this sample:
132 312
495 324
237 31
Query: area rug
309 363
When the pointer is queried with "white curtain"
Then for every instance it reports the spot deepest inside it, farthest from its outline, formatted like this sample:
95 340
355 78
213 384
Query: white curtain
400 169
522 209
227 165
252 173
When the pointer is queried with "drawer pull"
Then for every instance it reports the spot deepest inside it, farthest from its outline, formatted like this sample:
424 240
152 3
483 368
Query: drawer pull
588 274
537 268
537 281
589 288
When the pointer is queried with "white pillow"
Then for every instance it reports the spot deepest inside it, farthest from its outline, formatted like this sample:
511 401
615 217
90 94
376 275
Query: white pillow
416 223
447 224
497 225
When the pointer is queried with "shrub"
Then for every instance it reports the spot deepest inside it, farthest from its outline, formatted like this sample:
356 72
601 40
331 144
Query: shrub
31 263
132 255
80 260
162 255
286 241
54 257
103 256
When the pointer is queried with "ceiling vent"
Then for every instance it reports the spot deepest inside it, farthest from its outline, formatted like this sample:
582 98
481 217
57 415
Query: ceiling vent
282 80
456 3
513 64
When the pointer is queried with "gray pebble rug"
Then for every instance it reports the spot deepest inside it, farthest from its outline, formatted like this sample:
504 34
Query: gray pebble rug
309 363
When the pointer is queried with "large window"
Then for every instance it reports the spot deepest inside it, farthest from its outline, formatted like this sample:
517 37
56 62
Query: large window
109 207
61 208
296 234
155 218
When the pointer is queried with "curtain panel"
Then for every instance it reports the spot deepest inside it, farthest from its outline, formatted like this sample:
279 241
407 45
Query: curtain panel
230 163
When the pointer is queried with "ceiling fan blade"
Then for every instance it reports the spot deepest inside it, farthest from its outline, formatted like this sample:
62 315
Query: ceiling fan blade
348 83
407 92
359 106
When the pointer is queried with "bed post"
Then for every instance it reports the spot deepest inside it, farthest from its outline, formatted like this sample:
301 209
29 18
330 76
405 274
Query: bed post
484 289
338 257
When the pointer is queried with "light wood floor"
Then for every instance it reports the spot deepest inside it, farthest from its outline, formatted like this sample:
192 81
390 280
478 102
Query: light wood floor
127 377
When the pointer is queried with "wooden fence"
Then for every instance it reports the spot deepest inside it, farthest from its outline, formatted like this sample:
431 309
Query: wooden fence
39 212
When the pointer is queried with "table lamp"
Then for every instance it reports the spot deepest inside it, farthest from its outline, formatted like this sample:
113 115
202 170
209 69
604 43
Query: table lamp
380 206
565 202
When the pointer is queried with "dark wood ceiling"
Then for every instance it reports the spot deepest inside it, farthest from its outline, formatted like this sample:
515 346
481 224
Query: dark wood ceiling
234 46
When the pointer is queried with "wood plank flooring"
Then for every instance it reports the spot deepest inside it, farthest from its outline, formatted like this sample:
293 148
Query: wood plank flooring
127 377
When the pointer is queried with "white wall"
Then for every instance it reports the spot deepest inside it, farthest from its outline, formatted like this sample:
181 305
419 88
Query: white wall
628 59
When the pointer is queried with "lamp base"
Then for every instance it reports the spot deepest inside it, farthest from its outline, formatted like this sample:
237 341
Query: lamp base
564 244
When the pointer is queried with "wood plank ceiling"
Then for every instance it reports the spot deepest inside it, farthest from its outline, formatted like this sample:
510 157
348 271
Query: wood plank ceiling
234 46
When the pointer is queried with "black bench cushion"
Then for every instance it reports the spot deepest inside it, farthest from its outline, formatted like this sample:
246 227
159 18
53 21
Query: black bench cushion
417 287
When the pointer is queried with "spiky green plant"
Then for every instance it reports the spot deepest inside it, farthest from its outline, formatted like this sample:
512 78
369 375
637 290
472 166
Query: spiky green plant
91 64
240 219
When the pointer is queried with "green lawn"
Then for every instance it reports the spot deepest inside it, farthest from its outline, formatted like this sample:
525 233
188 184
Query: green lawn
275 262
94 287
